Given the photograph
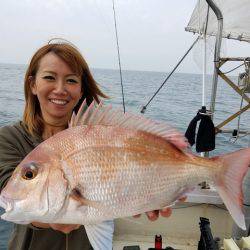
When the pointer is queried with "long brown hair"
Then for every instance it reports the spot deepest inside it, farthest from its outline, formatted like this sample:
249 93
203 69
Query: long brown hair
69 54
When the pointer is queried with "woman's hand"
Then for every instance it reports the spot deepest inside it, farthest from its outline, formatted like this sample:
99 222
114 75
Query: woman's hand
64 228
165 212
153 215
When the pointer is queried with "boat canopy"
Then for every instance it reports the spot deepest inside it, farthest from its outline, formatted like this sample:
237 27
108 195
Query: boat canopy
236 19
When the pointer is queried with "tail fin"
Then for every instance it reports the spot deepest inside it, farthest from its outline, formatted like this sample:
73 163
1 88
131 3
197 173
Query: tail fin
229 185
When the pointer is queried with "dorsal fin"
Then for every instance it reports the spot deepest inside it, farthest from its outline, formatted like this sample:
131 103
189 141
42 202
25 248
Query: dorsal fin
98 114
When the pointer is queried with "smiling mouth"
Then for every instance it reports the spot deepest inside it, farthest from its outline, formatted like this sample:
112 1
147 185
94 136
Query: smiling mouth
58 101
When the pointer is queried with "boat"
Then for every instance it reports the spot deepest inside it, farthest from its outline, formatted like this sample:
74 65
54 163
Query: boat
228 19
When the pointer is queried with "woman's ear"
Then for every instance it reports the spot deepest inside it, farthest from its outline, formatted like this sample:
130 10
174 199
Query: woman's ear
32 83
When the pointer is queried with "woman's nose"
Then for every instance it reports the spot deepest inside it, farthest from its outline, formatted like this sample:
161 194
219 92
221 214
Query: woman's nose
60 87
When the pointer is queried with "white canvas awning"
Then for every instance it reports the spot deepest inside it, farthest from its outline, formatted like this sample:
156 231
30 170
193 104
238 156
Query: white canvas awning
236 19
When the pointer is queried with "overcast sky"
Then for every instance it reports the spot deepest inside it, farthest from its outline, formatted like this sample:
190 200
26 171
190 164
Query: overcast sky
151 32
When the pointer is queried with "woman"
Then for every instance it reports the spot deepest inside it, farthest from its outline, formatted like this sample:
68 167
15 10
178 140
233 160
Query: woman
57 80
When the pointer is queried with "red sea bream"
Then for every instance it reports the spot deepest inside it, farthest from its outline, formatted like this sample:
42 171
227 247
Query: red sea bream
108 165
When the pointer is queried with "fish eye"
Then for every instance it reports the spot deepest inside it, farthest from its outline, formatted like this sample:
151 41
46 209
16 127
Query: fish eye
29 171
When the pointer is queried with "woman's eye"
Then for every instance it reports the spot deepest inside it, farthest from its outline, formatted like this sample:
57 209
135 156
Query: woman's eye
49 77
72 81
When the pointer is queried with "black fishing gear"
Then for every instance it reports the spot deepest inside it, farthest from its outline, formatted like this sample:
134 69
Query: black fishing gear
207 242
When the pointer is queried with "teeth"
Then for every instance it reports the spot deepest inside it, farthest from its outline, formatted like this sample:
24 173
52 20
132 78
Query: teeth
60 102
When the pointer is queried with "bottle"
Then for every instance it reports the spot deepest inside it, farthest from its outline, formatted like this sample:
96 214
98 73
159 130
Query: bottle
158 241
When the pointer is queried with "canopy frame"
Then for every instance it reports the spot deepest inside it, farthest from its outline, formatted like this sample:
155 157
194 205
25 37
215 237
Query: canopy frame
218 62
235 88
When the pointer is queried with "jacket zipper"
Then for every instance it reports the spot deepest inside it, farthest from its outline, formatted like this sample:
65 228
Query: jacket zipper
67 242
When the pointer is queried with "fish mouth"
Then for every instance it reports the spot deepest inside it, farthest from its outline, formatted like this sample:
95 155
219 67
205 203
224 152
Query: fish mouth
6 203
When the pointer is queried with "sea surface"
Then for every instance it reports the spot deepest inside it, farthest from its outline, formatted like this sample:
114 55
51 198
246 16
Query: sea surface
177 103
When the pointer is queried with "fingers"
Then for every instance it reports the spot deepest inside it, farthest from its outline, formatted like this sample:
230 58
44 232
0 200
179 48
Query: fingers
153 215
166 212
64 228
183 198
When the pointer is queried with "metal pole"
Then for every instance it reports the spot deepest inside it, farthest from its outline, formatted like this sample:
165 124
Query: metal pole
205 61
219 16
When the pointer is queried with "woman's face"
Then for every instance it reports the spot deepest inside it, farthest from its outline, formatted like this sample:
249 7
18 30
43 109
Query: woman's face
57 88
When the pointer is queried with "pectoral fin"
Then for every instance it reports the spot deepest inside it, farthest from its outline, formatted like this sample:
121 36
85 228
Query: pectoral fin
101 235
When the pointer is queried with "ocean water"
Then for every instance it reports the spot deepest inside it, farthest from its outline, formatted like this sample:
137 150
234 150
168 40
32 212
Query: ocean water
177 103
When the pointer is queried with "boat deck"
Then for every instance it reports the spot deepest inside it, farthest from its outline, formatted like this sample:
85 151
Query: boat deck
181 230
146 242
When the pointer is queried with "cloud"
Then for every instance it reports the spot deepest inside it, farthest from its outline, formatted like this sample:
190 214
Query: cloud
151 32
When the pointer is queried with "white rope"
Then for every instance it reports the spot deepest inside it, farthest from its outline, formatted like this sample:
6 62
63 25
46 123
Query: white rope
204 70
204 74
